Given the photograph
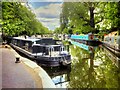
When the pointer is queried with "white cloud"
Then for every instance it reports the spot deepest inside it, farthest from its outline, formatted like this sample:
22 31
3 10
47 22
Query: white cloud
51 23
50 11
49 15
45 0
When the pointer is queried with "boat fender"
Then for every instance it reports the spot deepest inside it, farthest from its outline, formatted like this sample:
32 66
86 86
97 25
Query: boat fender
64 62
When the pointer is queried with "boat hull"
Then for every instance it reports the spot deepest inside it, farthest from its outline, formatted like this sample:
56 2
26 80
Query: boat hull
88 42
43 60
112 49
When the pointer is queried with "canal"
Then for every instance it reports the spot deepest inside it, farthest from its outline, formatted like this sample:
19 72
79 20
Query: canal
94 68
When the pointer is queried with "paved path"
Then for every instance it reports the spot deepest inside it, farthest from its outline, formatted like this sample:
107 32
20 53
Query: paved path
17 75
0 67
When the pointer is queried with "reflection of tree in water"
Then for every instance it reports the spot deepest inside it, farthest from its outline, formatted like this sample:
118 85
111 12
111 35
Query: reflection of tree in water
105 75
108 72
59 75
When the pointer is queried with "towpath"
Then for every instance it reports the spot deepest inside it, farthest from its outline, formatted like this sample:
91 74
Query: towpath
17 75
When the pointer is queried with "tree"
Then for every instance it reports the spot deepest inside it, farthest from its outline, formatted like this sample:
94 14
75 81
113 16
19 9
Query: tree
86 17
0 15
85 74
18 20
57 30
113 15
81 16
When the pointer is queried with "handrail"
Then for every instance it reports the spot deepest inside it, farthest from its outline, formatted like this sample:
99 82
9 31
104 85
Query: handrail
111 46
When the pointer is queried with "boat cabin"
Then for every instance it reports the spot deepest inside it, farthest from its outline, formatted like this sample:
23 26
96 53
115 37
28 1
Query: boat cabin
24 43
44 46
45 51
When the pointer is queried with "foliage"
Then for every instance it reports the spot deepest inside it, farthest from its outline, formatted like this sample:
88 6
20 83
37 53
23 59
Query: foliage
18 20
87 17
79 16
57 30
86 74
0 15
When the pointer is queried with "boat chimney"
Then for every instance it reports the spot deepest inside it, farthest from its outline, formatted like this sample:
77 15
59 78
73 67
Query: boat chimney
25 37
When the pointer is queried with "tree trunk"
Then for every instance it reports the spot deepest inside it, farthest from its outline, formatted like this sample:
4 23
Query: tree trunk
92 23
118 17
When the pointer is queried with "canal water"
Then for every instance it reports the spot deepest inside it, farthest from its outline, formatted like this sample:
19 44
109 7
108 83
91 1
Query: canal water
93 68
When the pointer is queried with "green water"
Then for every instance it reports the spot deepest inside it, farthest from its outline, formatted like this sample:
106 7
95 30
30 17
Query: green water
89 69
93 69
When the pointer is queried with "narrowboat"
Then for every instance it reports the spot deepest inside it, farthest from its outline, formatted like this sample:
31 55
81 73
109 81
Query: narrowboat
45 51
112 57
88 39
84 46
112 42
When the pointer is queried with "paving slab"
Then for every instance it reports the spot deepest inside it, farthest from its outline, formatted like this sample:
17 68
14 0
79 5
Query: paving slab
0 68
16 75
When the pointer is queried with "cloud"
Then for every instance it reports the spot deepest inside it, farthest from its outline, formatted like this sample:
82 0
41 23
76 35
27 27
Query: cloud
51 23
50 11
45 0
48 19
49 15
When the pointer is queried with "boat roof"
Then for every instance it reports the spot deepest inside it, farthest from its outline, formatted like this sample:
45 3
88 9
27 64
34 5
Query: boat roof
47 45
26 39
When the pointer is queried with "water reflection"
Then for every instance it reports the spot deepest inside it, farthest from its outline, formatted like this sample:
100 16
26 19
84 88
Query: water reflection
113 57
89 69
96 71
60 75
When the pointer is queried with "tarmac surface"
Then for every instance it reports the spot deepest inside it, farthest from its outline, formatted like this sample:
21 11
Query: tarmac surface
17 75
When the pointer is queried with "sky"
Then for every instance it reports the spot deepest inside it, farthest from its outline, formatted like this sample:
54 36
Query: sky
47 12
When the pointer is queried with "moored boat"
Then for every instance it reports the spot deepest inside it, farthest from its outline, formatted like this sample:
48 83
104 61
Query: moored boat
84 46
112 39
88 39
112 42
44 51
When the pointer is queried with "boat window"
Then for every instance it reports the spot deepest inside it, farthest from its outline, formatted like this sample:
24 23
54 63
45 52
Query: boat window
62 48
34 42
39 49
48 41
14 42
57 48
38 42
27 45
118 40
18 42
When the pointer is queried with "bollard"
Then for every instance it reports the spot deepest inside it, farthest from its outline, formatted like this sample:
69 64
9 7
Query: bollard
17 60
6 46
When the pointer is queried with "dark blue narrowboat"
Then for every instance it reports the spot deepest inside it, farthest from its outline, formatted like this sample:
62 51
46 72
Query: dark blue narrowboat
45 51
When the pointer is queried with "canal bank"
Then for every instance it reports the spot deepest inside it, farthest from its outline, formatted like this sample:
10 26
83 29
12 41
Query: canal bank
37 76
89 69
